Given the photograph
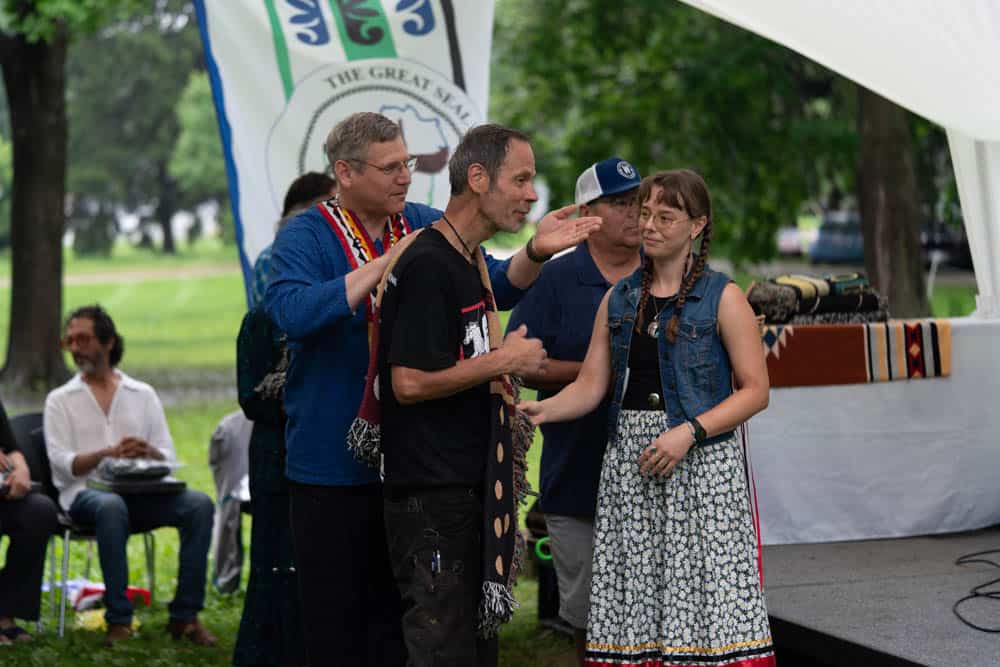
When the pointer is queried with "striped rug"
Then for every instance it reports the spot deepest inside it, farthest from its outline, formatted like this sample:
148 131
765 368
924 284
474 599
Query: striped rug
820 354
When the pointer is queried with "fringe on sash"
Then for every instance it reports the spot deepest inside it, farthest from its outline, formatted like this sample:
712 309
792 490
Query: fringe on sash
364 441
496 607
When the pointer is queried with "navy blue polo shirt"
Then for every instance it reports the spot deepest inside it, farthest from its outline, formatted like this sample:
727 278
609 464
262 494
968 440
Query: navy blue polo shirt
560 309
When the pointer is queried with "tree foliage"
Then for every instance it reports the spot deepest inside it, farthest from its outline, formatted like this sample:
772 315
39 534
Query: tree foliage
664 85
123 128
41 20
34 39
196 162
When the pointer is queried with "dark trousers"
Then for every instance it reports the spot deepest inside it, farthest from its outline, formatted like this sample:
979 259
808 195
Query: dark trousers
191 512
29 522
440 601
271 626
350 605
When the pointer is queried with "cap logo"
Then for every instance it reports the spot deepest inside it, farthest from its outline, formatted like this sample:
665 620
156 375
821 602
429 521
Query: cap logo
626 170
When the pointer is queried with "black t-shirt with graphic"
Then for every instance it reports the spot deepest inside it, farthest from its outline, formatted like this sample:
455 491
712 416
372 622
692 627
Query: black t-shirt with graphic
433 316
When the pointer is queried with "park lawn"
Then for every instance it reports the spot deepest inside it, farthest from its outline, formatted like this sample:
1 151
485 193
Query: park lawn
171 326
126 257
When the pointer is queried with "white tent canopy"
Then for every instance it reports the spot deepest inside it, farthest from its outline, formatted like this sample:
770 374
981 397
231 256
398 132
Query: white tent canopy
939 59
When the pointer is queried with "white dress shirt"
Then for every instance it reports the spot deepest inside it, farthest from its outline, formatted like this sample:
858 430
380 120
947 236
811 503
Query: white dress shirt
74 423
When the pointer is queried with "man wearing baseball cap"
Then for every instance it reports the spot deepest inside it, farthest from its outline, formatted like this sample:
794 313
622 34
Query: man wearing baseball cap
560 310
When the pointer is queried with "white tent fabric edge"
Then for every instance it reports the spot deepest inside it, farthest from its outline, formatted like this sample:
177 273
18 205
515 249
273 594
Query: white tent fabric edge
935 65
977 171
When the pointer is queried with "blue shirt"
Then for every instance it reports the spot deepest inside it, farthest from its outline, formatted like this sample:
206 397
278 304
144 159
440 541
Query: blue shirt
328 344
261 269
560 310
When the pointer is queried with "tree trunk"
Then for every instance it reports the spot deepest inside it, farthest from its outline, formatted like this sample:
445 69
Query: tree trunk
890 206
34 75
166 206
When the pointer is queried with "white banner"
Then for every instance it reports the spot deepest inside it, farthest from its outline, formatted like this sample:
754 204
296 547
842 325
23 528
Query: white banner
284 72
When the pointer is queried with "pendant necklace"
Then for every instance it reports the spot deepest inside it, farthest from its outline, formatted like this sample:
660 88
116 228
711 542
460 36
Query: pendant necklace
654 325
458 236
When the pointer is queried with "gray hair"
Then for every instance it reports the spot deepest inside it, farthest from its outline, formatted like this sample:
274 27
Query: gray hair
351 137
486 145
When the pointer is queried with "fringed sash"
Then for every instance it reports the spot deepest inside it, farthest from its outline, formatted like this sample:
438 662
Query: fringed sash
505 485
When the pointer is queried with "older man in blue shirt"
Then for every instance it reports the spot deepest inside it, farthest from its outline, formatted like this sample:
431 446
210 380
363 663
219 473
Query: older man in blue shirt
560 310
325 264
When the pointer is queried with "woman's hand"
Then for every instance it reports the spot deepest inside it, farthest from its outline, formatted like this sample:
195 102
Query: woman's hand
534 411
663 455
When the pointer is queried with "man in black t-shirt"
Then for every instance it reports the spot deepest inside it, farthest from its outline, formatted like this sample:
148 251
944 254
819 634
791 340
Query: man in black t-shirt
437 317
435 367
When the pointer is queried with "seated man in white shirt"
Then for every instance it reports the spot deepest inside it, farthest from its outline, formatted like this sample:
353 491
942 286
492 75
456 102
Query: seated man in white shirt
103 413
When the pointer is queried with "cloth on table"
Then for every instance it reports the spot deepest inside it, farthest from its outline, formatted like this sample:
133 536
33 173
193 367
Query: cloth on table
823 354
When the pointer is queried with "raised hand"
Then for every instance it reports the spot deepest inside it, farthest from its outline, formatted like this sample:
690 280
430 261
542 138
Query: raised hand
558 231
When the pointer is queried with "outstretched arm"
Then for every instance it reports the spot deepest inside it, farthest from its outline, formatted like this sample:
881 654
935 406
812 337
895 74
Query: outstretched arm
584 394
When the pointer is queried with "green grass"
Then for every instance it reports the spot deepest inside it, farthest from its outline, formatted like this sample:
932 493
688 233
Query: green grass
168 324
125 257
953 300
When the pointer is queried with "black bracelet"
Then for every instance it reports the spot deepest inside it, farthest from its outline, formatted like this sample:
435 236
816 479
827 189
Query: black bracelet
529 250
697 430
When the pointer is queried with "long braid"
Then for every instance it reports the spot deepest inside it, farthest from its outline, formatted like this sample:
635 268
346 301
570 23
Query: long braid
647 281
689 280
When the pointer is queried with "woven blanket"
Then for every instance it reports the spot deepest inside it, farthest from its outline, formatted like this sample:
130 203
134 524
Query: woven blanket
810 300
820 354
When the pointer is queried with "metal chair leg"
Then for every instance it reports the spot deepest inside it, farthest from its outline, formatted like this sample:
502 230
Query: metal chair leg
65 576
150 541
51 558
52 576
90 558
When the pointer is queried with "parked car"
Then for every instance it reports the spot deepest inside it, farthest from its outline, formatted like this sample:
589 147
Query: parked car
839 240
794 241
949 240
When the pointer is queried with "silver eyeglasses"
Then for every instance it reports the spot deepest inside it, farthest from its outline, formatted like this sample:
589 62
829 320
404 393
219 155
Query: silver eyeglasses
392 168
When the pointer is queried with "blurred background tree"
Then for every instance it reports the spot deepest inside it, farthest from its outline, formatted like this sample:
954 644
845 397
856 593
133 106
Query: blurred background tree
665 85
123 128
774 134
34 41
196 162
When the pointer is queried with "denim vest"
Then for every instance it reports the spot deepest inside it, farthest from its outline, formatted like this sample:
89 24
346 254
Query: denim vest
697 361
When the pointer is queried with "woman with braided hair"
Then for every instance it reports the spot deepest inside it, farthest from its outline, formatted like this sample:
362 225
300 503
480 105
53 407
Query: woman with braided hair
676 574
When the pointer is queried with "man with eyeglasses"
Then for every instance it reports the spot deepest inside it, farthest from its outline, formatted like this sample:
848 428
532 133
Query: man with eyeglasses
325 264
103 413
560 310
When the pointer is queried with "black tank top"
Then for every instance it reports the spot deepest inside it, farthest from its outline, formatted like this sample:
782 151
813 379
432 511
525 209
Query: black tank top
644 391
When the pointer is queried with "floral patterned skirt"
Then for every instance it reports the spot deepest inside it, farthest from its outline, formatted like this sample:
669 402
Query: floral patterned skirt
676 576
